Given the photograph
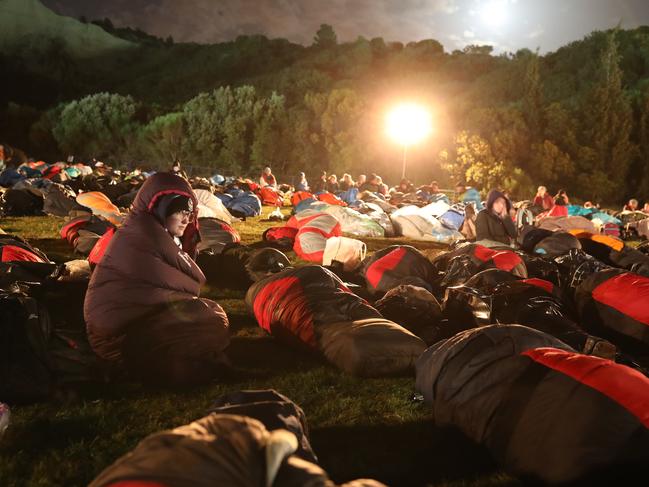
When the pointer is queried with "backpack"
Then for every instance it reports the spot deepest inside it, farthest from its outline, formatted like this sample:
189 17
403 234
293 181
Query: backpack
25 373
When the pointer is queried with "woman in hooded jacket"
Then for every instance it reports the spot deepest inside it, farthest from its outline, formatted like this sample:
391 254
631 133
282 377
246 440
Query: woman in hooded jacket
142 308
494 222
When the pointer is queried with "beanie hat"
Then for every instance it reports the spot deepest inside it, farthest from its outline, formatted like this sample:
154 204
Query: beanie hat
171 203
179 203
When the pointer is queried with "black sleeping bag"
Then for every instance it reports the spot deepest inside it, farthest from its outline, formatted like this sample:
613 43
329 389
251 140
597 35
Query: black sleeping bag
545 412
274 410
22 202
237 266
491 297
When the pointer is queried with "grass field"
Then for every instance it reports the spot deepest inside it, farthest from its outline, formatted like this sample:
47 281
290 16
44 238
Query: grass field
358 427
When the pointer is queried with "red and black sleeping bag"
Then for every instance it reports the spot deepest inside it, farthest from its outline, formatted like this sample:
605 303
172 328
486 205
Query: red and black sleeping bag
215 234
312 307
461 264
615 304
17 249
83 232
544 412
396 265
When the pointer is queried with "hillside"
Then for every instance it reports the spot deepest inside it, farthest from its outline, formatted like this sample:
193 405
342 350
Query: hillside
25 24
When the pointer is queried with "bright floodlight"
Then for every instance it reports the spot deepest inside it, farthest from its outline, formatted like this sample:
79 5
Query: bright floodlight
494 13
409 124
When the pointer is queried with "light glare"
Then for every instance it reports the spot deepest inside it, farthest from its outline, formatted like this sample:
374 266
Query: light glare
408 124
494 13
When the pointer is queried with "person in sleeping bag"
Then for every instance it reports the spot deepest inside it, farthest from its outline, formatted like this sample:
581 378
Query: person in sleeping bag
143 311
494 223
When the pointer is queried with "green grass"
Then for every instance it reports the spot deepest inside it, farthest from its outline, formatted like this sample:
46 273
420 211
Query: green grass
358 427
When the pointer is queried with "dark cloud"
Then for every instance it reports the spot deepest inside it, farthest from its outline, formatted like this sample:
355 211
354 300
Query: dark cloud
546 24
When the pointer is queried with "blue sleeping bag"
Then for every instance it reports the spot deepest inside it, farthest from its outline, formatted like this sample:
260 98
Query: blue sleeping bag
349 196
9 177
453 219
243 203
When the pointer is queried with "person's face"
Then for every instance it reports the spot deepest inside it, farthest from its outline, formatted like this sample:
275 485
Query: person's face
542 191
176 223
435 188
362 178
633 204
499 206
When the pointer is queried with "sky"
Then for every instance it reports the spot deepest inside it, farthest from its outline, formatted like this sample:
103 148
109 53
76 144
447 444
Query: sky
508 25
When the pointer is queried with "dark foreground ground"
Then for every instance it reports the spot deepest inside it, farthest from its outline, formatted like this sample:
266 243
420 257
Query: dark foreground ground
359 427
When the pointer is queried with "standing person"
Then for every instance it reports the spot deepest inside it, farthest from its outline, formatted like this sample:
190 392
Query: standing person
301 183
267 178
543 198
467 194
494 222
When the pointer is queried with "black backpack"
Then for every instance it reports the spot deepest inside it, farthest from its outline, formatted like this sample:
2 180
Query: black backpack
25 372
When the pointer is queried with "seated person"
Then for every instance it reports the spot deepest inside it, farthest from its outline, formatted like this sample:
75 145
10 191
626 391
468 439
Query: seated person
632 205
267 178
332 184
346 182
321 184
467 194
301 184
405 186
177 170
562 195
560 207
142 309
494 223
543 199
371 184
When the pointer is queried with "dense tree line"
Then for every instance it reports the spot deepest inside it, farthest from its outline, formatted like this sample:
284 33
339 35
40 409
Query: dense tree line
578 117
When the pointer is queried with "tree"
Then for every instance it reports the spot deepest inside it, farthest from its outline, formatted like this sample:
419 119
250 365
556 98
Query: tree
608 126
220 127
102 125
641 168
472 160
163 139
270 146
342 131
325 37
533 97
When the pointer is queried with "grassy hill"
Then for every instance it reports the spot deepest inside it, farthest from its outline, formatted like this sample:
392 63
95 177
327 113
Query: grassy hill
27 24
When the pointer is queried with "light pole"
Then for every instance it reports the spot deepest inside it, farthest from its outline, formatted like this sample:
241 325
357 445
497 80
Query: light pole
408 124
